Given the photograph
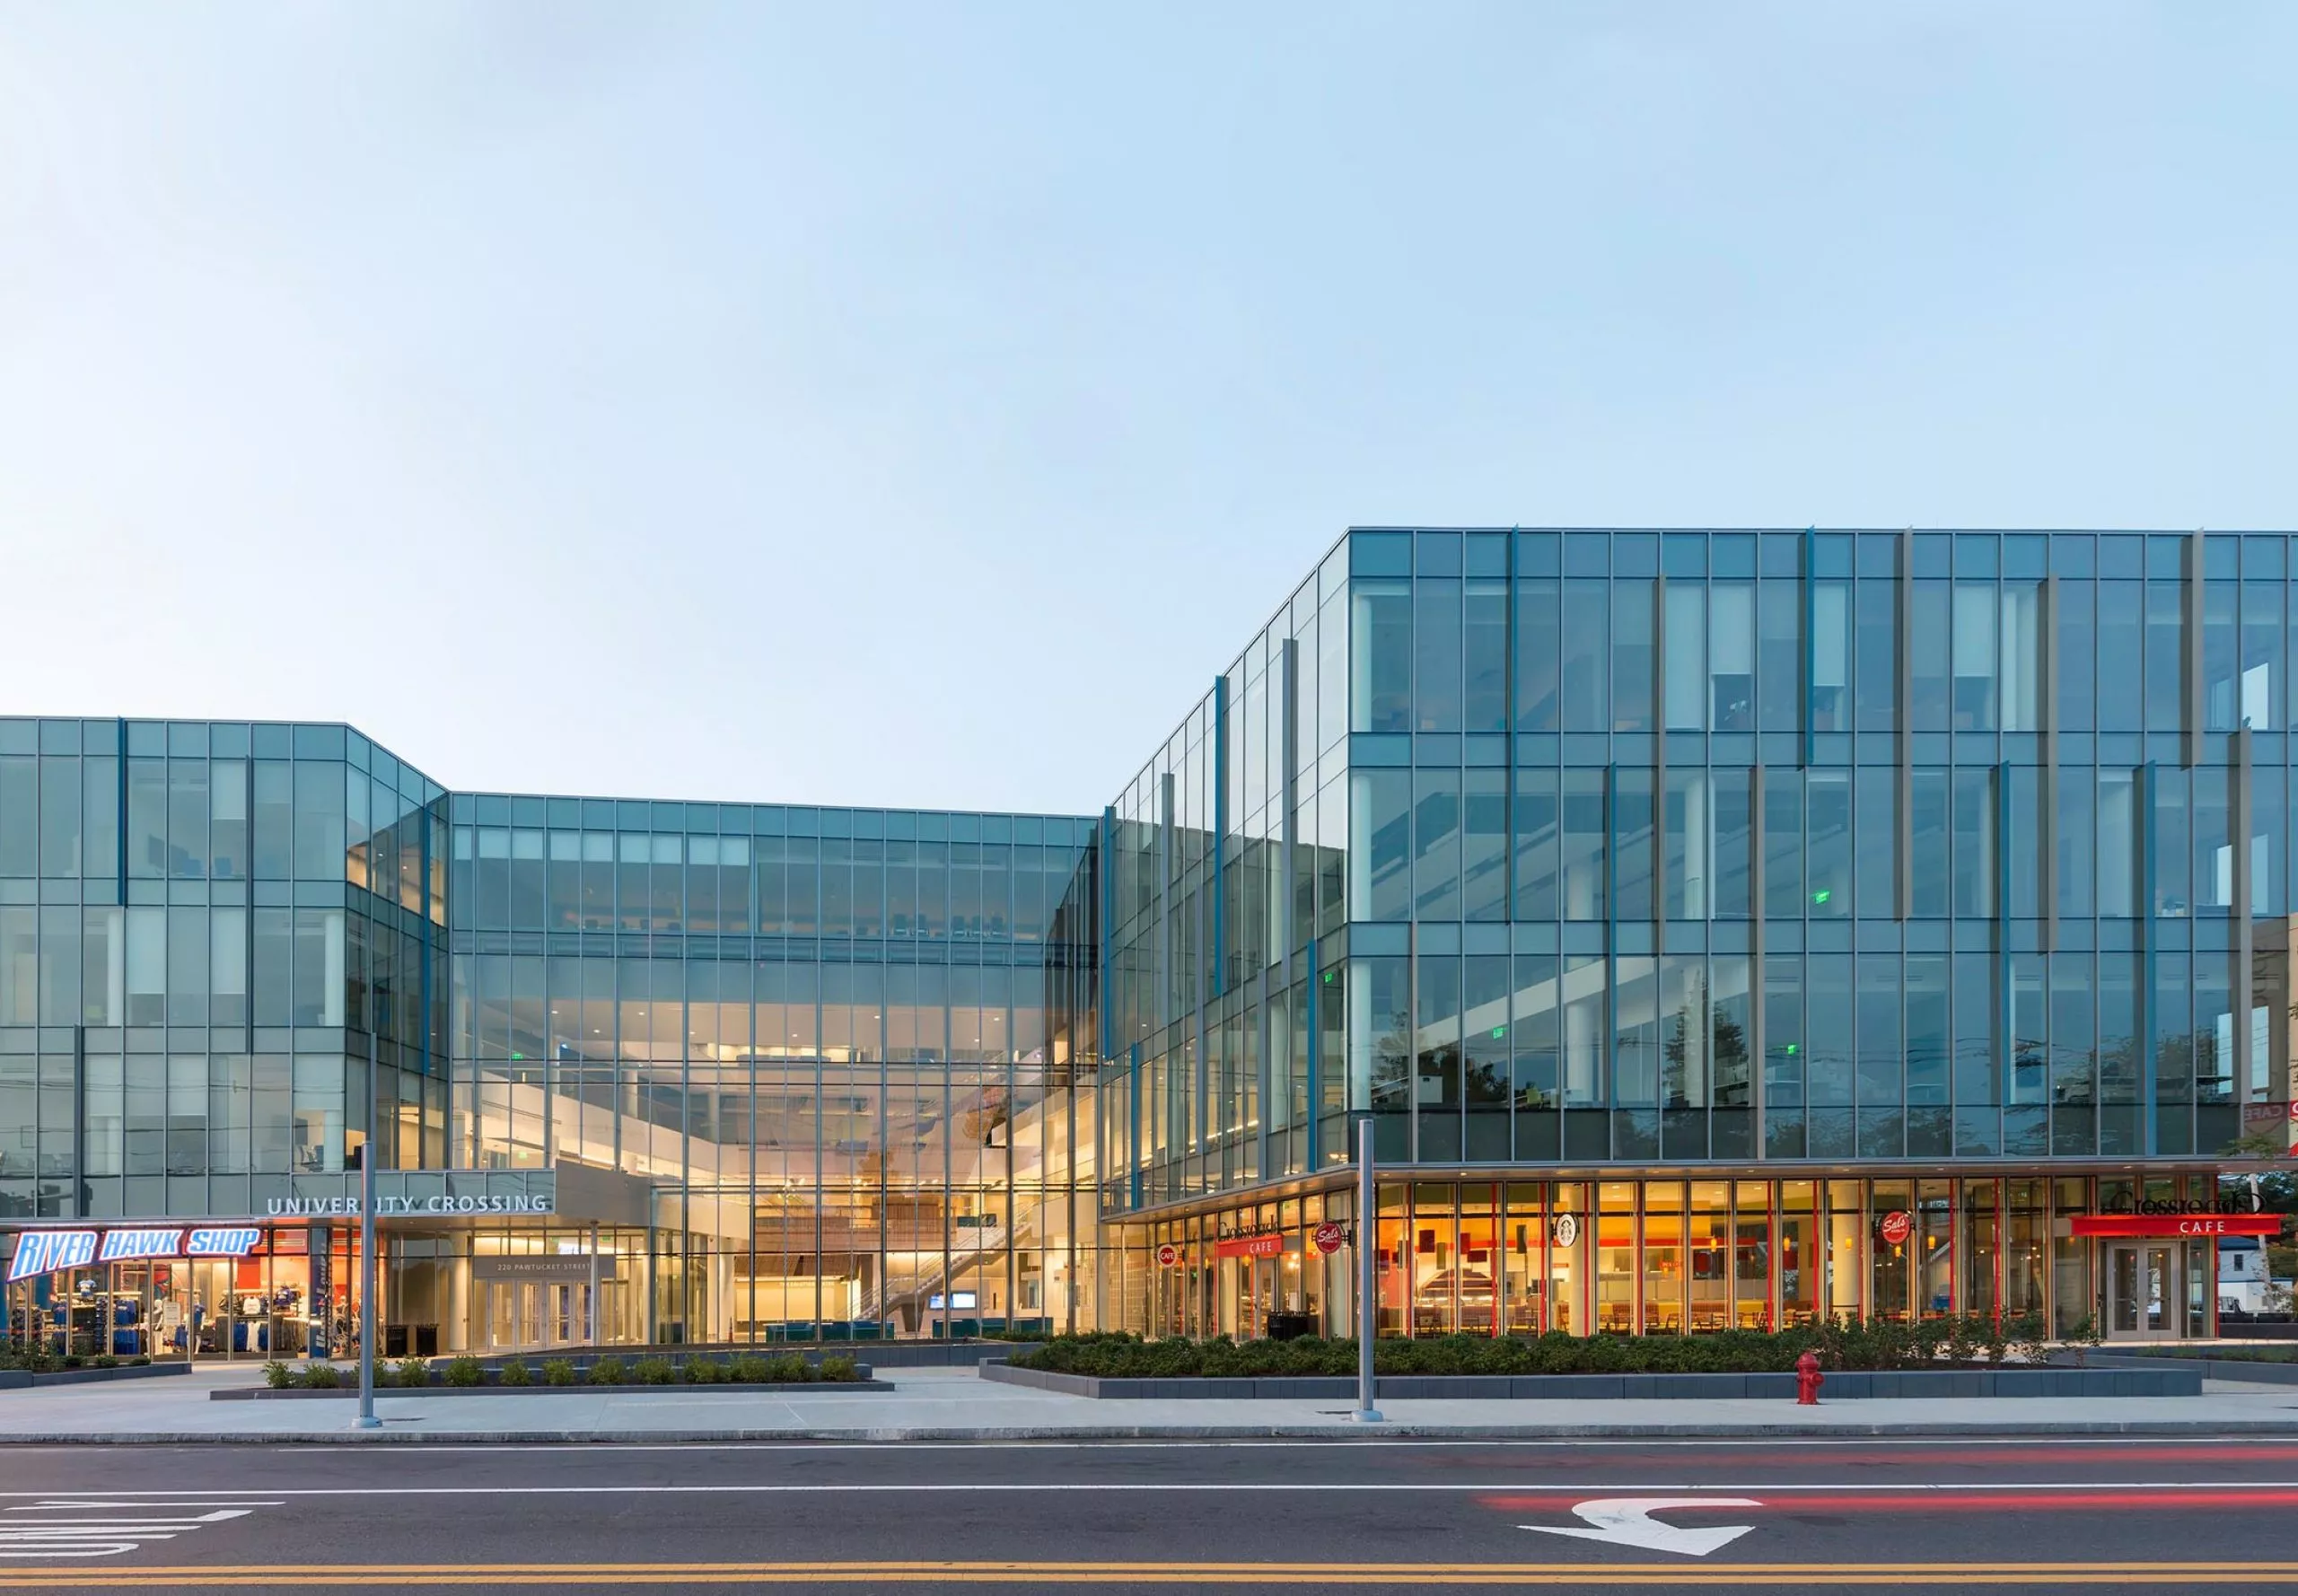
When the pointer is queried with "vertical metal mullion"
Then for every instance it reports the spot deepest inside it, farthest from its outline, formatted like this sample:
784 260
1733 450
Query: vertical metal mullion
1607 1061
1288 933
1508 712
1219 963
1412 1053
1757 1042
2047 686
1659 757
2191 651
1810 625
2238 810
2149 952
80 1191
2004 994
1903 662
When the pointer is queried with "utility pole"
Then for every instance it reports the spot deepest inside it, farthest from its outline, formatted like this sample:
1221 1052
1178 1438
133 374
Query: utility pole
1368 1234
367 1270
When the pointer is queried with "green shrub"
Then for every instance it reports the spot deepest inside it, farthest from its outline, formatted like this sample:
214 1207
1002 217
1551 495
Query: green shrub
749 1369
140 1361
277 1375
515 1373
409 1371
788 1368
320 1377
104 1360
465 1372
1851 1344
72 1360
704 1372
655 1371
607 1372
558 1371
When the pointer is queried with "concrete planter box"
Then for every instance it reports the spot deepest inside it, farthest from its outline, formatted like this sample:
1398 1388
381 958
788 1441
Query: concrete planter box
2205 1367
1842 1386
297 1394
20 1379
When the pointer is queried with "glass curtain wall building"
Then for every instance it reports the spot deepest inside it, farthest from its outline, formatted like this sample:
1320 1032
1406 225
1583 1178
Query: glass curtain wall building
1716 928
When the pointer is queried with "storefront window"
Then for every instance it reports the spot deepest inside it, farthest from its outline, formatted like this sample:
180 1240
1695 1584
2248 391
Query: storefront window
1753 1257
1710 1256
1981 1250
1663 1258
1522 1262
1616 1258
1936 1229
1798 1255
1392 1290
1569 1245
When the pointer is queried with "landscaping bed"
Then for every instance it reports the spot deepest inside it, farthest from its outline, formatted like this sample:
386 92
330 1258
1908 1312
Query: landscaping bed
786 1371
1875 1346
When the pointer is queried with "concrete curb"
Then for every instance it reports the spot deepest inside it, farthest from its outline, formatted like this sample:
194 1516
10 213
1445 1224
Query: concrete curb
1336 1432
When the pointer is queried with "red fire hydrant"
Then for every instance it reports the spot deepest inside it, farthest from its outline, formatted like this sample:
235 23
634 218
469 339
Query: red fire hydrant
1808 1379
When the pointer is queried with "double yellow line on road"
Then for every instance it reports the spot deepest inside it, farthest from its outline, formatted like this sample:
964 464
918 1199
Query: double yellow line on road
324 1576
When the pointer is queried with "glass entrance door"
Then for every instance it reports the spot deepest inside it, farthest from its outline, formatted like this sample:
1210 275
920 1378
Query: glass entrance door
2144 1300
536 1316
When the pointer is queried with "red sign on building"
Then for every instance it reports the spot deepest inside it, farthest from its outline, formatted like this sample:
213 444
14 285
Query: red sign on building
1897 1225
1269 1246
2178 1225
1168 1255
1328 1236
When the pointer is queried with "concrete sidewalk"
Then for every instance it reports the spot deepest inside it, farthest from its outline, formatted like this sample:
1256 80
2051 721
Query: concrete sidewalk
954 1405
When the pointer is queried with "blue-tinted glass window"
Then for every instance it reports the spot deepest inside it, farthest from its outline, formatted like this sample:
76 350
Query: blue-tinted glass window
1631 839
1437 651
1875 634
1632 657
1540 662
1436 554
2165 658
1585 832
1486 635
1586 606
1536 827
1379 554
1436 845
1381 638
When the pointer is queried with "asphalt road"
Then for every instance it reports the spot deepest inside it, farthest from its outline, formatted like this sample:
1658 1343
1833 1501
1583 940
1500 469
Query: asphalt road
2024 1514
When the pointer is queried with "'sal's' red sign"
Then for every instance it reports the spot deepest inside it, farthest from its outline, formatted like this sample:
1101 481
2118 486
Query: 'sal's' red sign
1249 1247
2178 1225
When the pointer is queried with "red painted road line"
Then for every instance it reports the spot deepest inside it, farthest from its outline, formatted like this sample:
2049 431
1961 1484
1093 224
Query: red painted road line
1756 1456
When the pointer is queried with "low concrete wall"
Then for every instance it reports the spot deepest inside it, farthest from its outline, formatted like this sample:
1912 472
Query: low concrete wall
885 1355
1841 1386
19 1378
2205 1367
295 1394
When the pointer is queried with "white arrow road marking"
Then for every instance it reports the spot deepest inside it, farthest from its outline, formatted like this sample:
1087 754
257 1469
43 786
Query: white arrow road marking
1627 1520
53 1538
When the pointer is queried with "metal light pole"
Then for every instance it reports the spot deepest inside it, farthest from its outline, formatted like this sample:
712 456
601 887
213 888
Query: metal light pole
1368 1234
367 1271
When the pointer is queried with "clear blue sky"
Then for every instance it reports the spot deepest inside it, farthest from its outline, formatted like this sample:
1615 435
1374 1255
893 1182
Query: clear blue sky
919 405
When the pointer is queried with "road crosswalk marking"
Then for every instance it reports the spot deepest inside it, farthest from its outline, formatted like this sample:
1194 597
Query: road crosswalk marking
106 1529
